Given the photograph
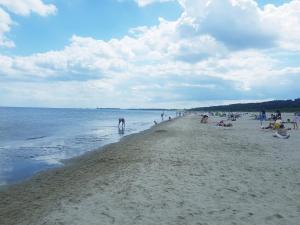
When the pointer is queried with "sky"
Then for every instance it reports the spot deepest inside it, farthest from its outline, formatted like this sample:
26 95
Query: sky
148 53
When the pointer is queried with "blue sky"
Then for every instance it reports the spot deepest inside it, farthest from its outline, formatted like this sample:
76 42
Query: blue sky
148 53
103 20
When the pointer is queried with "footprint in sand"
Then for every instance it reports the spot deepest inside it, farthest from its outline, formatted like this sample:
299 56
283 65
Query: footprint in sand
275 216
112 219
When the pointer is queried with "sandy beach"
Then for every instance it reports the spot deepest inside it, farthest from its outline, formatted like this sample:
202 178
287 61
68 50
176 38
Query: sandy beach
178 172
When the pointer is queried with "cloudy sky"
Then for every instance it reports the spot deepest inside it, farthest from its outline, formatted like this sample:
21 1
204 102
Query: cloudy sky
148 53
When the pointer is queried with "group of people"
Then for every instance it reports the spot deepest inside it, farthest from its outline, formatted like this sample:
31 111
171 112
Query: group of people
163 115
276 119
223 124
277 124
121 123
205 117
263 116
279 128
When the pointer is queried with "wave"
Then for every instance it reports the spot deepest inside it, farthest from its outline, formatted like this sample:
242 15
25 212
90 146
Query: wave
34 138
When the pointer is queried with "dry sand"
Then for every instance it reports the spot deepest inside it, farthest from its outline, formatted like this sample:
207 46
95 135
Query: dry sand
179 172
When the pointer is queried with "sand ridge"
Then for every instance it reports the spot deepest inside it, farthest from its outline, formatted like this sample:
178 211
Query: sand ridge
179 172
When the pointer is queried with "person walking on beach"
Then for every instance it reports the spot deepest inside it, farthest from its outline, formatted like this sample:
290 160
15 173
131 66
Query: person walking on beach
263 117
278 115
296 119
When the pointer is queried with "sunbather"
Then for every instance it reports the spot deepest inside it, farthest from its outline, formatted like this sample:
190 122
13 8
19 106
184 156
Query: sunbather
222 124
204 119
270 126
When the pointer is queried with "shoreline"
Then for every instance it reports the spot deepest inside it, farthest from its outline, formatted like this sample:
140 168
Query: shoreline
40 179
179 172
67 161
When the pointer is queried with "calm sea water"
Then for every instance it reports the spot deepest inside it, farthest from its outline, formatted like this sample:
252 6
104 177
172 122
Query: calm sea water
35 139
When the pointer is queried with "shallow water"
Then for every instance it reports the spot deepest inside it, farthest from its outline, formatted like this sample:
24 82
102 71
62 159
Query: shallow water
35 139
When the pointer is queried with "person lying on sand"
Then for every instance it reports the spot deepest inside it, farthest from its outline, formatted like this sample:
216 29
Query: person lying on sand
270 126
222 124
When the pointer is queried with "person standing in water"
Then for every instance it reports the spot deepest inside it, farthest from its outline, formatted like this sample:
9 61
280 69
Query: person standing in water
162 116
122 122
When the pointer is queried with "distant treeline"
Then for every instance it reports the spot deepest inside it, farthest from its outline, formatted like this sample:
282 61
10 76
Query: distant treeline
270 106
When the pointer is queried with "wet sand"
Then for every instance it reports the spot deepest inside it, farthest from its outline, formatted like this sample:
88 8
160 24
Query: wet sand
179 172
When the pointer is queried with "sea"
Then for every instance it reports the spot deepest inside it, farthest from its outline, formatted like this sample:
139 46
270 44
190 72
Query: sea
37 139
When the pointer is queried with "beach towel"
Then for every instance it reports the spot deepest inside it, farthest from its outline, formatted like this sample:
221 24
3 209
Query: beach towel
281 136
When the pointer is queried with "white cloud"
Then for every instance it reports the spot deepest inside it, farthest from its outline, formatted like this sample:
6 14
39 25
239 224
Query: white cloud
242 23
23 8
236 23
143 3
286 20
5 24
216 51
114 73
